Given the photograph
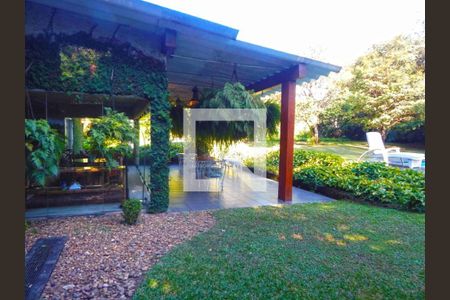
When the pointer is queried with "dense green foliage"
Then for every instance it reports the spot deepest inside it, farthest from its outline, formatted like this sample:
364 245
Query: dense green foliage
159 151
373 182
110 137
131 208
79 64
386 87
367 181
233 95
408 132
43 149
174 149
336 250
303 158
273 117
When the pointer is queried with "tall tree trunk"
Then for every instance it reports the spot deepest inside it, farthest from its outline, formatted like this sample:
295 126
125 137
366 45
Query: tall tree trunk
314 131
316 134
383 133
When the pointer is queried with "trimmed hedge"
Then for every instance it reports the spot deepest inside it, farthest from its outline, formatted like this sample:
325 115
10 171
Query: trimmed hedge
367 181
174 149
302 158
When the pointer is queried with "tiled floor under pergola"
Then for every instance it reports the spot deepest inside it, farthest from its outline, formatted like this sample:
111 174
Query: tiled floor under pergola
235 194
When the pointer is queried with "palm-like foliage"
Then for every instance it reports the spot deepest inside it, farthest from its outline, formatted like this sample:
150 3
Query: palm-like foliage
43 149
110 136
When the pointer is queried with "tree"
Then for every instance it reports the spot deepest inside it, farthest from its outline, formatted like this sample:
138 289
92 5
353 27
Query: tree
387 86
311 103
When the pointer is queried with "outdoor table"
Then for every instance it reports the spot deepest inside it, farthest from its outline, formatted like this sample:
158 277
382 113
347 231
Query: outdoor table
408 160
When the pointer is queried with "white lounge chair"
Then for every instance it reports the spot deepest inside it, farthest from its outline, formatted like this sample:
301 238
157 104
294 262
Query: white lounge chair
392 156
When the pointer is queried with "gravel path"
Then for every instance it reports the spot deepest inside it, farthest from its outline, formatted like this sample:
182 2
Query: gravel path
106 259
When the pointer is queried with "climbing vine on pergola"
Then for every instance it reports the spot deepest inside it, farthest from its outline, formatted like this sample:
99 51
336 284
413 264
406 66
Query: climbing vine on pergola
79 64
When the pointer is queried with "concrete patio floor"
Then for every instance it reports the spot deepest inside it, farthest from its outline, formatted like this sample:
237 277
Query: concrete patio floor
235 194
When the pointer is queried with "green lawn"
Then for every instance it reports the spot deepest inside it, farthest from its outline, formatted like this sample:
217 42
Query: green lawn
337 250
350 150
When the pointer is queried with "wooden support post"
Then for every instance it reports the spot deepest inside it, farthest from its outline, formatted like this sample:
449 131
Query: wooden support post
286 140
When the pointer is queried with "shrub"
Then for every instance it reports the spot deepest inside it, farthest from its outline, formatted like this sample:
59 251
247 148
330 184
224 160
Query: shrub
373 182
131 209
369 181
303 136
303 158
175 148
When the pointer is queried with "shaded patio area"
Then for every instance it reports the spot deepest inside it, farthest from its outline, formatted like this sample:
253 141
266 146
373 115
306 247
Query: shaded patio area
235 194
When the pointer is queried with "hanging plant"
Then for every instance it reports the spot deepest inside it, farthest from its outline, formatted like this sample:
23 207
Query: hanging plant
233 95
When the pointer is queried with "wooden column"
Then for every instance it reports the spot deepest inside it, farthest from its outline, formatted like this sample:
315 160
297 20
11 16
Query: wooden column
286 140
287 78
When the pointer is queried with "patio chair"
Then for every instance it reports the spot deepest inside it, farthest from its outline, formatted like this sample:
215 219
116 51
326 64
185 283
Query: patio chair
211 169
234 164
180 157
393 155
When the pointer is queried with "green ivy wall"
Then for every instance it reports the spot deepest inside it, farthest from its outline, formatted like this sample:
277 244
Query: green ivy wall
80 64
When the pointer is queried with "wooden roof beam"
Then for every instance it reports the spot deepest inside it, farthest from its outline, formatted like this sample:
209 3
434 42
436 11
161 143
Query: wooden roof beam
291 74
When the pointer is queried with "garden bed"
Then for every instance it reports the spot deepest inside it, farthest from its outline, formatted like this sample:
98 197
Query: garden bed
104 258
333 193
376 183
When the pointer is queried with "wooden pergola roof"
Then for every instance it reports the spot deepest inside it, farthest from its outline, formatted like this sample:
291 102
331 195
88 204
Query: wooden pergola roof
200 53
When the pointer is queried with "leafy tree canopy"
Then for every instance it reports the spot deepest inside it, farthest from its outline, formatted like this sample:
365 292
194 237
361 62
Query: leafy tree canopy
387 85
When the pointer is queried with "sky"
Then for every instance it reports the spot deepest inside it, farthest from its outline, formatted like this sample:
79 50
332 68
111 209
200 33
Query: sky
334 31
